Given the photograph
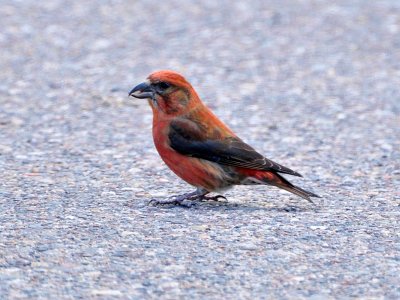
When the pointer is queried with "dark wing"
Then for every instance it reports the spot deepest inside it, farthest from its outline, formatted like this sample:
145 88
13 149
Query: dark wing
186 138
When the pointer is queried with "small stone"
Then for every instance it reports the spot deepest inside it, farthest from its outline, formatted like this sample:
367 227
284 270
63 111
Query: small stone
106 292
248 246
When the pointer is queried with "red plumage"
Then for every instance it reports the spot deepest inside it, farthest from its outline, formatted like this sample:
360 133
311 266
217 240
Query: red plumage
199 147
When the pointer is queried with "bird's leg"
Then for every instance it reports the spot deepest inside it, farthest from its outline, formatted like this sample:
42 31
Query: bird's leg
184 200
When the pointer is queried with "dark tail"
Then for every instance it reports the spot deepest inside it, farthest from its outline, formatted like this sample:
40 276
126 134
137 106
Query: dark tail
286 185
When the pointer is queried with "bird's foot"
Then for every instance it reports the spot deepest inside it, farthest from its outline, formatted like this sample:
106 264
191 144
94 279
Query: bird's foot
214 198
185 200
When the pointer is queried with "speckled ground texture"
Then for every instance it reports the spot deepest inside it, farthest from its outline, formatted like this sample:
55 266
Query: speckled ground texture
313 85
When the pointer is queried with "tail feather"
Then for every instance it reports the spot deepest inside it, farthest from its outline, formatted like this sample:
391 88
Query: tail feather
275 179
286 185
299 192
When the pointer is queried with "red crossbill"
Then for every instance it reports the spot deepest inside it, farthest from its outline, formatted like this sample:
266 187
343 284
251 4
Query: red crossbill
199 147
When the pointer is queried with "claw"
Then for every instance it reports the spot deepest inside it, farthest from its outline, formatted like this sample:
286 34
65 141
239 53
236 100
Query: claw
186 200
179 202
214 198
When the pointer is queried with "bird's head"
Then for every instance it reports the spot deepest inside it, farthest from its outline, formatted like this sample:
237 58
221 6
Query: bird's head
168 93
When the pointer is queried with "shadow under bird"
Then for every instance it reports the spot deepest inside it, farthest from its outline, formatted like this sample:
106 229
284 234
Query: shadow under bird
199 147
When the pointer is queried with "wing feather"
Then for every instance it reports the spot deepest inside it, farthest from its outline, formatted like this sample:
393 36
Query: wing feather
187 138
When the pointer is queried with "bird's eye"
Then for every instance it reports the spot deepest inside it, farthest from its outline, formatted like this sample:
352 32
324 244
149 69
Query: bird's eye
163 85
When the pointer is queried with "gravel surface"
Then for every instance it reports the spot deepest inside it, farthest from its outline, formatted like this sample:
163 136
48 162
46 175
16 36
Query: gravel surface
313 85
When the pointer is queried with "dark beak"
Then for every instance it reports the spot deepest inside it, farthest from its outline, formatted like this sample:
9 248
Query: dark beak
142 91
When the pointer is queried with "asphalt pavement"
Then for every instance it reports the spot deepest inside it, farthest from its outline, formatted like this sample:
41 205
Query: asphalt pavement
313 85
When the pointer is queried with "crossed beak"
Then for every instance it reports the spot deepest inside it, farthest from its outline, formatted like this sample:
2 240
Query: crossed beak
142 91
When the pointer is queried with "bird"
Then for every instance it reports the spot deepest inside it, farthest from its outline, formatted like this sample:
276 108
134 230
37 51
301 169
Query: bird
201 149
